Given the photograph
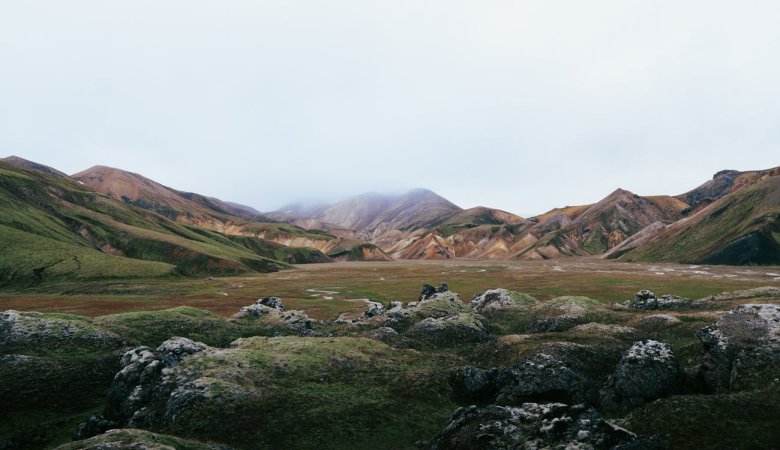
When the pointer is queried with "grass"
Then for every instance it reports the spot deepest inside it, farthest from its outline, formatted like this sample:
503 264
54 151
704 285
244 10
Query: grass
605 281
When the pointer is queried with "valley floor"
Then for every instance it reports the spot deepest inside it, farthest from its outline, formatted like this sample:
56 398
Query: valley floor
326 290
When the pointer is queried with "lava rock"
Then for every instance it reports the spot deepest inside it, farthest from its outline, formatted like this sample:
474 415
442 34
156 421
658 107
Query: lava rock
139 382
448 331
647 300
496 299
542 377
427 291
533 426
647 371
746 338
92 427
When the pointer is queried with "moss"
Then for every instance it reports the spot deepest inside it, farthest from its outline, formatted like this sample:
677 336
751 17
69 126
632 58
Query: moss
125 437
391 397
742 420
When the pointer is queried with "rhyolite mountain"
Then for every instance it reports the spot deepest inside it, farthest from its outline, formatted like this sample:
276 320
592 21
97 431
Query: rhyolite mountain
740 227
54 228
731 219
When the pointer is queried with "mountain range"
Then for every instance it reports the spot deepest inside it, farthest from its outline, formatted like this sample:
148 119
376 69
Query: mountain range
109 223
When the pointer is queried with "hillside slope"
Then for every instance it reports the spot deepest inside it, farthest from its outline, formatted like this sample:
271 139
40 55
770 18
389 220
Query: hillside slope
740 228
52 226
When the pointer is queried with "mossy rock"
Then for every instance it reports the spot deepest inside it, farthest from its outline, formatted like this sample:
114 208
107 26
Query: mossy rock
138 439
338 392
151 328
54 334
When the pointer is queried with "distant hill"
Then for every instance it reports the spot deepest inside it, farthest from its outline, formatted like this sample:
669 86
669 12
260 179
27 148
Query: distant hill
54 227
741 227
729 219
15 160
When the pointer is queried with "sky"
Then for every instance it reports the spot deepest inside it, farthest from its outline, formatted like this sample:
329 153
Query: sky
517 105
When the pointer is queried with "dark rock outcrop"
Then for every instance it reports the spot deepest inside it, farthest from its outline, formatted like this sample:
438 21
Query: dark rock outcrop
745 339
427 291
497 299
647 300
534 426
543 377
647 371
140 381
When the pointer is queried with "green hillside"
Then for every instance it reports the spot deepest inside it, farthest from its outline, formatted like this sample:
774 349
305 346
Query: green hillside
740 228
52 228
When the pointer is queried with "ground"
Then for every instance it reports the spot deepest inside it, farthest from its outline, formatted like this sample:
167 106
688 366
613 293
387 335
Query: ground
326 290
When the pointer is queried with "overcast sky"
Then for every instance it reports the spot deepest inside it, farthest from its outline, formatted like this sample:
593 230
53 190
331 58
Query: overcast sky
518 105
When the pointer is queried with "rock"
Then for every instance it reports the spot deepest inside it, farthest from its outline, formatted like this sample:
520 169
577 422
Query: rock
374 309
449 331
175 349
395 304
92 427
134 439
533 426
647 371
271 309
137 384
647 300
383 333
427 291
657 321
263 306
542 377
442 287
44 333
496 299
272 302
553 324
561 313
746 338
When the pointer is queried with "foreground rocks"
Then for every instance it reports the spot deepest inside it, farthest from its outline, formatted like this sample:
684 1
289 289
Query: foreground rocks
272 311
742 342
534 426
542 377
647 371
647 300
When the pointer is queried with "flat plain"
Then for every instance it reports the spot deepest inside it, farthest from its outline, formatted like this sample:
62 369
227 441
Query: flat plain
325 291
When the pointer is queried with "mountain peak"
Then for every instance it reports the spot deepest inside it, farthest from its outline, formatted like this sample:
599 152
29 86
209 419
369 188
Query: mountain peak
19 161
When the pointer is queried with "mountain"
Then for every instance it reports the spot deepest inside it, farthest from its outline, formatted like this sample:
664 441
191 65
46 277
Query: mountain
54 227
183 207
741 227
595 229
373 214
15 160
721 184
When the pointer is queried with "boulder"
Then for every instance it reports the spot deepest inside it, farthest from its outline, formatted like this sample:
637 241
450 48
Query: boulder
42 333
534 426
449 331
271 310
138 383
442 287
496 299
427 291
647 371
742 341
647 300
561 314
374 309
542 377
